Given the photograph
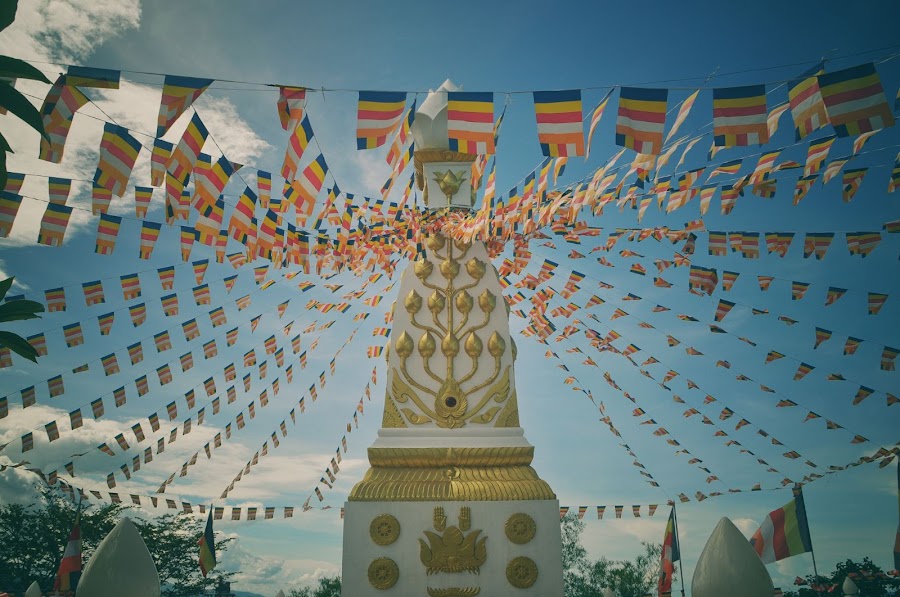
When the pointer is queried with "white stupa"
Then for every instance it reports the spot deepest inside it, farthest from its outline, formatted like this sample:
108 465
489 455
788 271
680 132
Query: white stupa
849 587
450 505
120 566
729 566
34 590
280 593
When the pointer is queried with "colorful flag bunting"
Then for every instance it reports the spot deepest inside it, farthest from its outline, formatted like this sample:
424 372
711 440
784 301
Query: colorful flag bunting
641 119
559 122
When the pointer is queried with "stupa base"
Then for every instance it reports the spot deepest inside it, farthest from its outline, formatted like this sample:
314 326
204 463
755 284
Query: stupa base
452 548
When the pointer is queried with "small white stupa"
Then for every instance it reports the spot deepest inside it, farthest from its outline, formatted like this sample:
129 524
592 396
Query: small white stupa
34 590
607 592
122 565
729 566
280 593
849 587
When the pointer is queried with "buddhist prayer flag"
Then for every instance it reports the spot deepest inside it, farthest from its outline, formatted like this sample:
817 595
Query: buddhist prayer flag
9 208
208 547
59 107
185 155
378 115
671 553
107 232
93 293
641 119
291 101
297 144
84 76
784 533
855 100
683 112
559 122
56 299
73 335
876 302
149 236
53 225
118 152
177 96
309 184
159 159
739 116
470 122
58 189
69 572
852 180
100 199
807 107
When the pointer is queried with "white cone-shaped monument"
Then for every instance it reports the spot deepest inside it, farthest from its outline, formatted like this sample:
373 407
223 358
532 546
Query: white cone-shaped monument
729 566
849 587
34 590
120 566
607 592
280 593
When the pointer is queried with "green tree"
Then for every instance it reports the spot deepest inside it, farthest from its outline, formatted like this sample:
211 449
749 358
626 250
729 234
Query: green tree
329 586
583 577
871 580
17 311
32 540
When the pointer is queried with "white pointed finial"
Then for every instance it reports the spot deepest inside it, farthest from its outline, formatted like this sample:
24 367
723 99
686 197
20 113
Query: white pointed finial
122 565
849 587
729 566
34 590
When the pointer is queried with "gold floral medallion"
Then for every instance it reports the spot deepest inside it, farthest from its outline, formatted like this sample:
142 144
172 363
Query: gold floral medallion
384 529
383 573
521 572
520 528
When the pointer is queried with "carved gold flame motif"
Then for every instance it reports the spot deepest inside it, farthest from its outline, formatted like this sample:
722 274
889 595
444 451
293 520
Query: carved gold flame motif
453 551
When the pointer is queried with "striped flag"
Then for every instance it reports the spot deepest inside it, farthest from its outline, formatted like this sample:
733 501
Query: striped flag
378 115
855 100
107 232
470 122
671 553
100 199
207 545
816 154
118 152
149 236
784 532
297 144
683 112
58 189
85 76
69 572
187 151
852 180
739 116
402 134
59 108
9 208
291 101
178 94
596 115
807 107
308 185
159 158
641 119
53 225
559 122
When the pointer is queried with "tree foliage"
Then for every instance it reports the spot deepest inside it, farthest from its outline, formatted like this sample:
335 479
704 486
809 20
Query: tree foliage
329 586
17 311
583 577
869 578
32 540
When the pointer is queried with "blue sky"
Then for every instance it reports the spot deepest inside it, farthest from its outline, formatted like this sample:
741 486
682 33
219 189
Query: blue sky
501 47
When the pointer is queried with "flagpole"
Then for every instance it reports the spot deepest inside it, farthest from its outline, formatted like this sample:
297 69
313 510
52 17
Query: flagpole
680 569
811 550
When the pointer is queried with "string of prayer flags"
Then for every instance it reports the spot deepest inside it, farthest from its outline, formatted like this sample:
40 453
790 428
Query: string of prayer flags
378 115
100 78
816 154
297 144
852 180
159 159
308 185
178 94
739 116
118 153
101 198
855 100
149 236
641 119
559 122
58 189
470 122
9 208
683 112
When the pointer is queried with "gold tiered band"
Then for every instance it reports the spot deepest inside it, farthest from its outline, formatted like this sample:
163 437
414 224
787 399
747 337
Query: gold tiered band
451 474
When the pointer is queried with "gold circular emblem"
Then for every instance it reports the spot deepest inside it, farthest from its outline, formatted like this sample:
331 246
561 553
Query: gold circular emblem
384 573
384 529
520 528
521 572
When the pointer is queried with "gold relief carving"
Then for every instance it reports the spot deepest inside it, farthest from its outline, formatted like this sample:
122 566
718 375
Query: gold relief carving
425 156
453 592
404 345
423 269
487 301
475 268
449 268
383 573
496 345
384 529
454 483
449 182
453 551
391 418
509 416
520 528
521 572
414 417
413 302
435 242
